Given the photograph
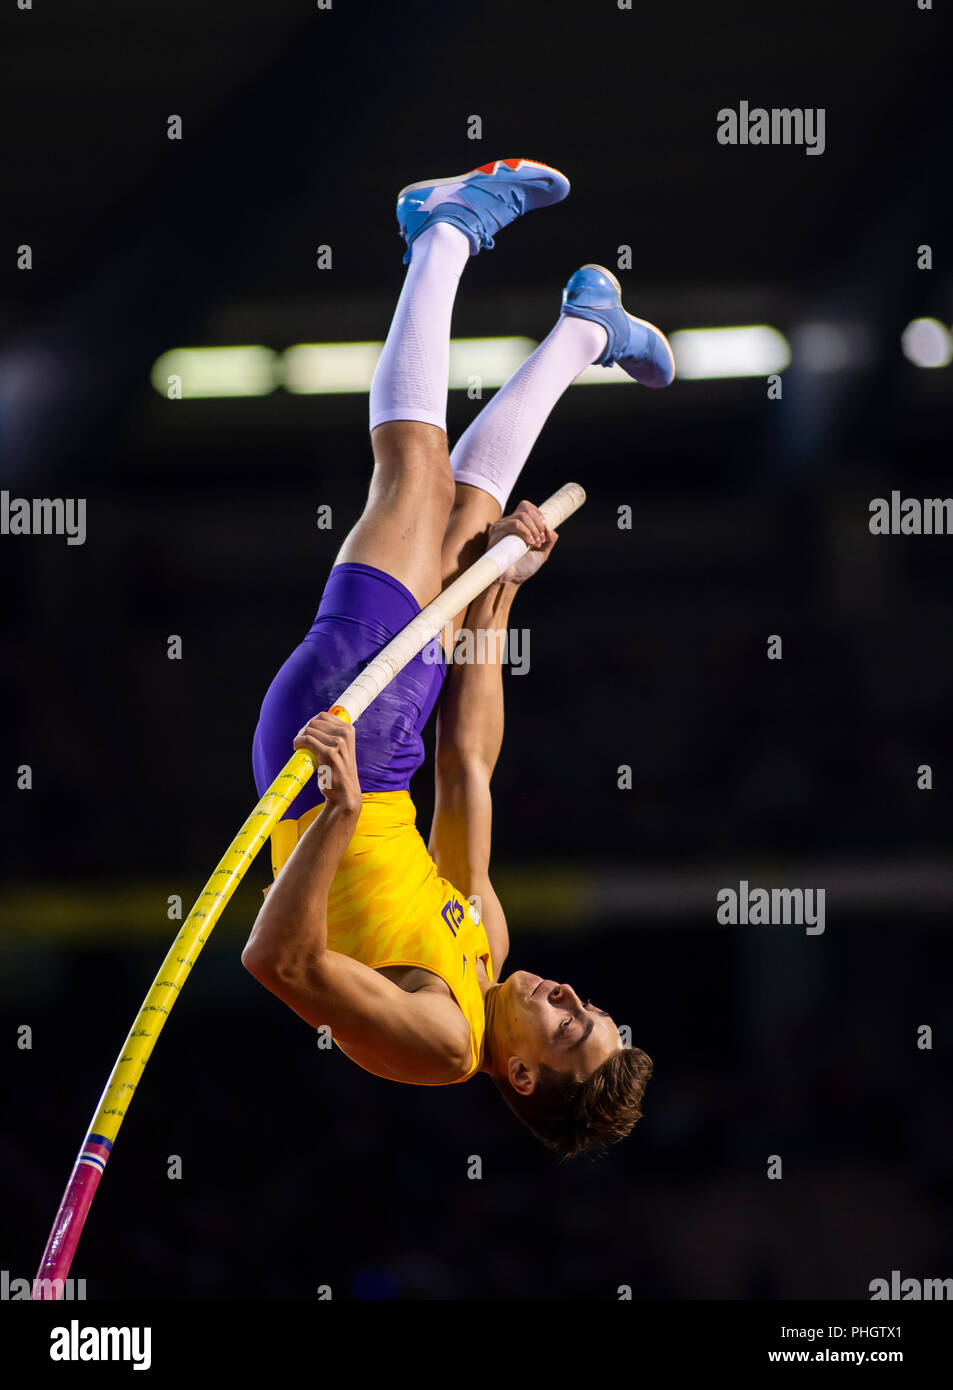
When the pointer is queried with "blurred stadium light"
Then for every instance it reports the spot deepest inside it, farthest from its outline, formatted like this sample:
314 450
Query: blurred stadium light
927 343
346 368
712 353
217 371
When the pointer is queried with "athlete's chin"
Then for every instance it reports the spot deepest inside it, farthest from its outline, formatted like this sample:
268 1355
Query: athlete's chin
522 983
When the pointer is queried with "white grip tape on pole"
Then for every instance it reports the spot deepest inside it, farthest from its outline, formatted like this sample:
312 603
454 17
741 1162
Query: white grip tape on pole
430 620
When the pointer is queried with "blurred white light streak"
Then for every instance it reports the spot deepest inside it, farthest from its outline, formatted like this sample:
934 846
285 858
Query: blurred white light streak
217 371
347 368
709 354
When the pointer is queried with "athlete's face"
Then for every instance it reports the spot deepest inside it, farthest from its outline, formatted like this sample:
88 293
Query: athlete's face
541 1021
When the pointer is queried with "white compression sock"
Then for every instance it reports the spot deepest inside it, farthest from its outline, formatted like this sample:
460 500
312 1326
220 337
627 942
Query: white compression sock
410 379
491 452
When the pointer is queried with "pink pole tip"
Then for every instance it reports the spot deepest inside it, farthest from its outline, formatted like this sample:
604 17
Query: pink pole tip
71 1217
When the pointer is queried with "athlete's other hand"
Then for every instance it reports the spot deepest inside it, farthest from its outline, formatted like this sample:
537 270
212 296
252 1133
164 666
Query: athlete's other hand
330 741
530 525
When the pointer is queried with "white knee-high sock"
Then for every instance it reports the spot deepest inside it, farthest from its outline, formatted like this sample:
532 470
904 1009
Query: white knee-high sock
491 452
410 380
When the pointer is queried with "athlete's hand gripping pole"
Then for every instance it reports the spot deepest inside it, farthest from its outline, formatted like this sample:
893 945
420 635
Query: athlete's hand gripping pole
183 953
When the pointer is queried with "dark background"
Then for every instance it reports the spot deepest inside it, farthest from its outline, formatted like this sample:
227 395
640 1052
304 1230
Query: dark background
648 646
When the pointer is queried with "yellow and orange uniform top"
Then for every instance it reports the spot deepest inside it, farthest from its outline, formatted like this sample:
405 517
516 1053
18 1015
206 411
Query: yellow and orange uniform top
388 905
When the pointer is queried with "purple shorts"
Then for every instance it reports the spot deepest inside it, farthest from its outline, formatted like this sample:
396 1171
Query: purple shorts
361 609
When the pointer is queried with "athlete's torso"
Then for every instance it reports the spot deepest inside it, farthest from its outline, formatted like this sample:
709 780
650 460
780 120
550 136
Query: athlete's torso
389 908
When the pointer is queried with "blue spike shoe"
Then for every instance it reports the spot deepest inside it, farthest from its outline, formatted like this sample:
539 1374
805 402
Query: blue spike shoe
494 195
640 348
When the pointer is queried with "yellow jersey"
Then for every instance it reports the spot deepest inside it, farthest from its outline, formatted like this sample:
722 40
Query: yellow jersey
388 905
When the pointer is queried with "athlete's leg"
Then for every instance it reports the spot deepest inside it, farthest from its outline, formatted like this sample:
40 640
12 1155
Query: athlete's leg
490 455
411 491
487 460
443 222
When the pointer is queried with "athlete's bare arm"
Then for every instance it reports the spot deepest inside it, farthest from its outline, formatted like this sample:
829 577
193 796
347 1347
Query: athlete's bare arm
420 1038
470 734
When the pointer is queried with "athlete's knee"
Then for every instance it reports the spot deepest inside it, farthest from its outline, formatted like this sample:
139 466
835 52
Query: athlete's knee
413 475
409 441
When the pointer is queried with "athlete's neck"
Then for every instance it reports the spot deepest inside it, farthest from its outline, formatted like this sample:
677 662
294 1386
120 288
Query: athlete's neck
489 1005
